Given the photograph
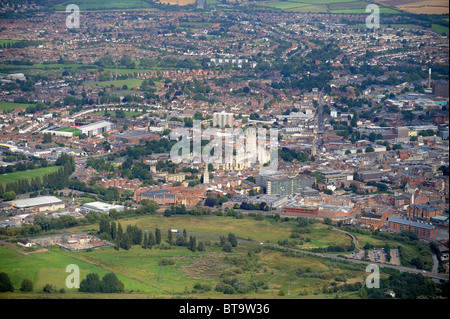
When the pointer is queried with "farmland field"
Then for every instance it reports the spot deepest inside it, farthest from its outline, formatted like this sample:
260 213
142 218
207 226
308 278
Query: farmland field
38 172
330 6
106 5
418 6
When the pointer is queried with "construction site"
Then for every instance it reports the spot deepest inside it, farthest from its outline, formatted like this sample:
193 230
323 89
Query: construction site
71 242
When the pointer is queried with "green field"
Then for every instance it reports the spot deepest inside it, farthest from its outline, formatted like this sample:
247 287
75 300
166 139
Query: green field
440 29
247 228
106 5
9 106
74 130
117 83
142 276
330 6
38 172
6 41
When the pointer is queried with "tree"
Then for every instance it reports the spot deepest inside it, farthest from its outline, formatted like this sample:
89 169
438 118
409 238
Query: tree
227 247
26 285
11 195
192 244
201 246
169 237
157 236
111 284
151 240
145 241
232 239
91 284
5 283
47 138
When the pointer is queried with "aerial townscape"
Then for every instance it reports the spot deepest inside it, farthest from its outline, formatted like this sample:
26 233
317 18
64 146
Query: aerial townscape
224 149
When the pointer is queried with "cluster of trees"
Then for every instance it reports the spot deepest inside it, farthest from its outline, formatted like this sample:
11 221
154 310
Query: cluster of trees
290 155
249 206
405 286
227 243
181 210
108 284
52 181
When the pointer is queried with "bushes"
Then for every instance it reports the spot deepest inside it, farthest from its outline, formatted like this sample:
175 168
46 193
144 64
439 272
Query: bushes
109 284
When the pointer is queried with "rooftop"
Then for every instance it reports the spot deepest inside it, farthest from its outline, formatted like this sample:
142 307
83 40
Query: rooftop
37 201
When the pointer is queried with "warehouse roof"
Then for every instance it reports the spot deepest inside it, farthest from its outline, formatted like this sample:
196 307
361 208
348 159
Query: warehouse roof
103 207
37 201
95 125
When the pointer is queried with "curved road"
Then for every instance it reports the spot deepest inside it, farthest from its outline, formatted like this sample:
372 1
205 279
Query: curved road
335 256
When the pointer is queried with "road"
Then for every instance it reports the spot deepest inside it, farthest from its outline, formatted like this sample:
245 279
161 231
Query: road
335 256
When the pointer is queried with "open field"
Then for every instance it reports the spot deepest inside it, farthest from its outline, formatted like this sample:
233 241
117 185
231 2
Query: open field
246 228
74 130
117 83
38 172
106 5
9 106
142 276
179 2
331 6
418 6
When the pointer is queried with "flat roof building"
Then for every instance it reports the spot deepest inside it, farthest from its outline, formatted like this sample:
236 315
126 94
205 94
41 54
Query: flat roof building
38 204
101 207
97 128
397 225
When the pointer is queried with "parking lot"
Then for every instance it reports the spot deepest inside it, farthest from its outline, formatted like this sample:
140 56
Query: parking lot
378 255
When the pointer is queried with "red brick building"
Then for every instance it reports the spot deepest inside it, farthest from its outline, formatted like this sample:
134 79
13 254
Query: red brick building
397 225
298 209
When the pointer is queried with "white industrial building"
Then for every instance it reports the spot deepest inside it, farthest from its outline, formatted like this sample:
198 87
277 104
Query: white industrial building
97 128
38 204
101 207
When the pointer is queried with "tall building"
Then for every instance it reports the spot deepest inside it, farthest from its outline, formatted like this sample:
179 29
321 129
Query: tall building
222 119
280 184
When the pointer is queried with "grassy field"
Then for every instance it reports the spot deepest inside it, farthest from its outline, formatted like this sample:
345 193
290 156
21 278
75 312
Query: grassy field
142 276
440 29
117 83
74 130
330 6
105 5
38 172
9 106
266 230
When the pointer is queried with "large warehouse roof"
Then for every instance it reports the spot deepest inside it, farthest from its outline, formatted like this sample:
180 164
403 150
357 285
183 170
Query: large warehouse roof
102 207
37 201
94 126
